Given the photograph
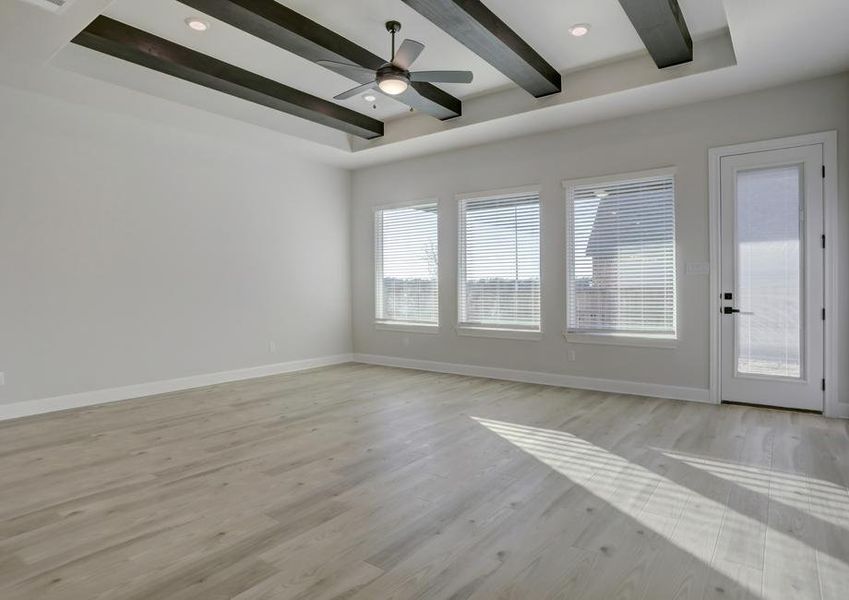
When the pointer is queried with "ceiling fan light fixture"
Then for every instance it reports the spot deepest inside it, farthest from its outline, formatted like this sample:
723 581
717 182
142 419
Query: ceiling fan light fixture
394 77
393 84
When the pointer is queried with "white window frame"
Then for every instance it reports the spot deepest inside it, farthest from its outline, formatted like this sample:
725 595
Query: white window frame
400 326
493 331
647 340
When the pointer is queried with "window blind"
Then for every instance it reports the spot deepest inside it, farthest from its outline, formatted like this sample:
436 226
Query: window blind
499 272
621 257
407 264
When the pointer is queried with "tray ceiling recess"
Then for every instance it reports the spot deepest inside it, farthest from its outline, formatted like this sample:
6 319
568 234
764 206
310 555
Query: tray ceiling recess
659 23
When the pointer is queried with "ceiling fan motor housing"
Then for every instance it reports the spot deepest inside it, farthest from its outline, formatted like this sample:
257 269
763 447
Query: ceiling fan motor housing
390 71
394 77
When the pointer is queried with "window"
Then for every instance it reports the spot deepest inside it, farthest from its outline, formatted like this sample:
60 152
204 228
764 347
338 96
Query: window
499 278
621 256
406 266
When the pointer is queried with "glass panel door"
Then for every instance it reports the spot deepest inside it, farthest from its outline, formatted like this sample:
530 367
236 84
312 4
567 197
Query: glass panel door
769 272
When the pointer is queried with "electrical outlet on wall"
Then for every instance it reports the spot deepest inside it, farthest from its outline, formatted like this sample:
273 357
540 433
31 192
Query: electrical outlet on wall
571 355
2 378
272 347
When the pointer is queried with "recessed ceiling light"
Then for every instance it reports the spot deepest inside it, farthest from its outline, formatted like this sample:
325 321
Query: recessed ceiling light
369 97
196 24
579 29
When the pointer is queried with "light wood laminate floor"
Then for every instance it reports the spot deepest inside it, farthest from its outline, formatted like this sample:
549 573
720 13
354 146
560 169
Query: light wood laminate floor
370 483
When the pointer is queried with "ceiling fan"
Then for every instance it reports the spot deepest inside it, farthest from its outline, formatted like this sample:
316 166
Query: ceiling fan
394 77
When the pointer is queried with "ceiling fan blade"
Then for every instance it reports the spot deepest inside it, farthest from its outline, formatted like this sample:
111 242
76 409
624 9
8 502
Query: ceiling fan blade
442 76
355 91
407 54
348 70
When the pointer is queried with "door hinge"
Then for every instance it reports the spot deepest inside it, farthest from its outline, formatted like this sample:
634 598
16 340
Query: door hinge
823 314
823 240
823 171
823 385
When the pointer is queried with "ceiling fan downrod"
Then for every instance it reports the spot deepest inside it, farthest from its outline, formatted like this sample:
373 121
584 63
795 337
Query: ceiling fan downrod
393 27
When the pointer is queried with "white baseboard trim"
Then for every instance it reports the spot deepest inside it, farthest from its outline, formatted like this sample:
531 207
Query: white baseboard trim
652 390
838 410
129 392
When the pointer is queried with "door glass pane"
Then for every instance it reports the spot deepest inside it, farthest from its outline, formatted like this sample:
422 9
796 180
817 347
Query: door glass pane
768 328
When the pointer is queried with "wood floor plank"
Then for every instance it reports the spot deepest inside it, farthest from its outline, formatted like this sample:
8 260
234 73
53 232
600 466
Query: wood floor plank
369 483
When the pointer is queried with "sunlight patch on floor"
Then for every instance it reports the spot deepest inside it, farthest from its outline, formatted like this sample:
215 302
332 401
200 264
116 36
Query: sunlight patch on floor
732 517
822 499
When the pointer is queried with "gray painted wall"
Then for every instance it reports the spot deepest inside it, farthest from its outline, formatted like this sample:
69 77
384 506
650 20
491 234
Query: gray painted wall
677 137
132 252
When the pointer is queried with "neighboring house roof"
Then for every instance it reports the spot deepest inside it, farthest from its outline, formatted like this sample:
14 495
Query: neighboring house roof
619 224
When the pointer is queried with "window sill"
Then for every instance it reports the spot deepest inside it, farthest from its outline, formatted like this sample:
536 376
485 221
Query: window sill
618 339
495 332
406 327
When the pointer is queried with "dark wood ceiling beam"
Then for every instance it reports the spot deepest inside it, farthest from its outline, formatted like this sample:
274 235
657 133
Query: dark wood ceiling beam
662 28
479 29
134 45
279 25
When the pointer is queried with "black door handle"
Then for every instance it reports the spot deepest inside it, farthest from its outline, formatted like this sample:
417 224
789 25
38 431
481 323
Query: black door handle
727 310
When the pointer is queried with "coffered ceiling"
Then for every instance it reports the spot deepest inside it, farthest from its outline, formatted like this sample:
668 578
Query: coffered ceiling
738 45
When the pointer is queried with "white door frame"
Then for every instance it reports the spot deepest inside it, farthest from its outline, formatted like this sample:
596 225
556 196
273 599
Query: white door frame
828 139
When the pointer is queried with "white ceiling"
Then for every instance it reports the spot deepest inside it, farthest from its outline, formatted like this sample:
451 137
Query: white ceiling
607 73
542 23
